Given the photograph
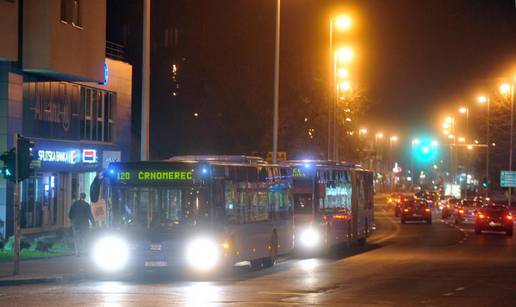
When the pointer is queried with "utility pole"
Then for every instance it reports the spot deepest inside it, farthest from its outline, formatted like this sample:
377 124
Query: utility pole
275 123
145 119
511 138
16 269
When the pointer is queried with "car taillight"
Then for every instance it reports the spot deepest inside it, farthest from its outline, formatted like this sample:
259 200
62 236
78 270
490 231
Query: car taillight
481 216
427 210
405 210
509 217
461 211
448 206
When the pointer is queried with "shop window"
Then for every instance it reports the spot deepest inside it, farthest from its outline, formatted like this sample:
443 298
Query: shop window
97 115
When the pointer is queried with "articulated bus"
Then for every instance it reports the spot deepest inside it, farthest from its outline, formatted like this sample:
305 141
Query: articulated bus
201 212
333 204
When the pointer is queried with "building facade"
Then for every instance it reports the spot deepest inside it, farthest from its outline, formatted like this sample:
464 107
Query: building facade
59 89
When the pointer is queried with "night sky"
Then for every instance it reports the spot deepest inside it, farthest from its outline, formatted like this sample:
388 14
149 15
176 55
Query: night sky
414 58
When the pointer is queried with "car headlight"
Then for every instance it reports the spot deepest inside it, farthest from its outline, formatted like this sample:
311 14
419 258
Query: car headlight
202 254
310 237
110 253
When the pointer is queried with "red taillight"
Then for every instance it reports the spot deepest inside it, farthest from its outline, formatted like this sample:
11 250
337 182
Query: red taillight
481 216
461 211
448 206
405 210
427 210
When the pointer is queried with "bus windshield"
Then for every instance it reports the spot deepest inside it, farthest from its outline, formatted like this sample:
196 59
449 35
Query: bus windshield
158 207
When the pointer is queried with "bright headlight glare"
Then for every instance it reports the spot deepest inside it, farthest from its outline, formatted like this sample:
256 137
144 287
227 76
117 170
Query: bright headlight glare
310 237
202 254
110 253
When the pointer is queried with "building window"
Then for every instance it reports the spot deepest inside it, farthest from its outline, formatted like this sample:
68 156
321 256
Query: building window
71 12
97 115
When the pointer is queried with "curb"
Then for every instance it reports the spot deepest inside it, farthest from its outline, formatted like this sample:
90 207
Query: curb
40 280
31 281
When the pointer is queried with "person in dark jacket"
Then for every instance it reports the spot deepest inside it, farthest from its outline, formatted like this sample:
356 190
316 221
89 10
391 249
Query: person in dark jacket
81 216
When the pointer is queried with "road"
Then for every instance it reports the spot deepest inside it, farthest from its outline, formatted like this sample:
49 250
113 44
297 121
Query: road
403 265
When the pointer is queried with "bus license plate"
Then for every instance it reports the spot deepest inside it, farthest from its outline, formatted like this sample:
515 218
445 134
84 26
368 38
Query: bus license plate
156 264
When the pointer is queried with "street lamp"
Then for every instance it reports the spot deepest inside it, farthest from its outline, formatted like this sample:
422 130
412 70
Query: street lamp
344 55
508 90
461 139
484 100
362 131
392 139
343 22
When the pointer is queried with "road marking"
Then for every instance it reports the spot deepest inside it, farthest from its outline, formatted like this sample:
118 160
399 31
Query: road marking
460 289
448 294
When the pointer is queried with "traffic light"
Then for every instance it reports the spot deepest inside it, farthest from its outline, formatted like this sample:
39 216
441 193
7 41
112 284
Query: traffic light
484 183
24 157
9 168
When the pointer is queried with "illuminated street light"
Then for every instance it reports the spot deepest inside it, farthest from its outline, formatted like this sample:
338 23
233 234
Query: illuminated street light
451 136
343 22
344 54
394 138
448 120
345 86
482 99
463 110
470 147
362 131
461 139
379 135
505 89
415 142
343 73
434 143
446 125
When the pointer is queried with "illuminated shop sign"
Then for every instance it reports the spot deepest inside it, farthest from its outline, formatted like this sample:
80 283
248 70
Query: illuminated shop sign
89 156
72 156
143 176
69 157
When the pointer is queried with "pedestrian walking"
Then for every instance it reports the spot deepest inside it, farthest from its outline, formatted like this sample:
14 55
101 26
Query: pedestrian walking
81 217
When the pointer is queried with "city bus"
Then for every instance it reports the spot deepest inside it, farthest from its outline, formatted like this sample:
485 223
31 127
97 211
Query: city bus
333 204
199 212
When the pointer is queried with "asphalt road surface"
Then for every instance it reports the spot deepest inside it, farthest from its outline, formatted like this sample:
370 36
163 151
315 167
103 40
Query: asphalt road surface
403 265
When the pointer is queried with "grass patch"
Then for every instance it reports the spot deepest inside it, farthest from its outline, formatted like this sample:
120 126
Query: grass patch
25 254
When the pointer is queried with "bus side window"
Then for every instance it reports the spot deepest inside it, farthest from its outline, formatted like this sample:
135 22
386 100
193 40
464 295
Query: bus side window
252 174
232 207
262 175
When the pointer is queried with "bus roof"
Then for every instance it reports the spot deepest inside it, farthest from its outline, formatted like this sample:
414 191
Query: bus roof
240 159
323 163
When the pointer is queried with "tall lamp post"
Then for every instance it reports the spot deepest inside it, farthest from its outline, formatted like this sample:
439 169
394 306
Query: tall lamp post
508 89
484 100
341 24
392 139
275 121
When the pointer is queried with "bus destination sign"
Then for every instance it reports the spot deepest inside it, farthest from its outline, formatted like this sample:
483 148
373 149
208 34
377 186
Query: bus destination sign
143 176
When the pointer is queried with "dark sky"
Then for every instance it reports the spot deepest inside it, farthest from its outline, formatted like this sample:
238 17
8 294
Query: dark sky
415 56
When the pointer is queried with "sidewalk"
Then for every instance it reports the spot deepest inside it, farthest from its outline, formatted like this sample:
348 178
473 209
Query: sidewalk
66 268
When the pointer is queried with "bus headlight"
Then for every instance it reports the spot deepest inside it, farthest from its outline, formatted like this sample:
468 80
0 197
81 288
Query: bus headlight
110 253
310 237
202 254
